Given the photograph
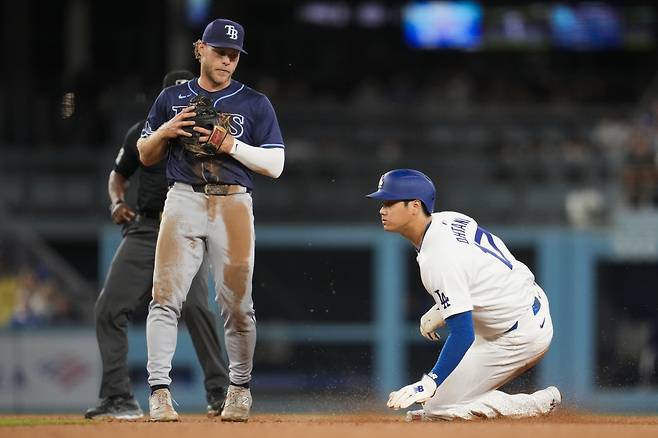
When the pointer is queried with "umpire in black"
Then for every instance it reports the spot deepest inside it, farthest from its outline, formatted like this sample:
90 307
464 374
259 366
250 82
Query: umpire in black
130 280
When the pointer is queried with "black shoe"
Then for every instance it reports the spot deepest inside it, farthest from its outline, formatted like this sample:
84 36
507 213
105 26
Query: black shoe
118 407
216 400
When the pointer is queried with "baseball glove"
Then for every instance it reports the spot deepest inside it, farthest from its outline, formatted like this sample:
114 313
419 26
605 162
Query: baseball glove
209 118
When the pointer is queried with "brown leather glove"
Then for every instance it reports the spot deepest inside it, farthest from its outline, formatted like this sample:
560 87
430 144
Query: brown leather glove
209 118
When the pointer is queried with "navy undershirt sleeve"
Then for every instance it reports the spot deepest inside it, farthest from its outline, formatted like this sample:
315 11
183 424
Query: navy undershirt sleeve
459 341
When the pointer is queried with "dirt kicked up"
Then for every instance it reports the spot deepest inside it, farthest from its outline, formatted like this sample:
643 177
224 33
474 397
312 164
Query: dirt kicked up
559 424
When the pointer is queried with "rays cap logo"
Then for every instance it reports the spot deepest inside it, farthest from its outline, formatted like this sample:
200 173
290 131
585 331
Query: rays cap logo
224 33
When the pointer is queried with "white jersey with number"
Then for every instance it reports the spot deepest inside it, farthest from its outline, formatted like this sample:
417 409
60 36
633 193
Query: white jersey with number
464 267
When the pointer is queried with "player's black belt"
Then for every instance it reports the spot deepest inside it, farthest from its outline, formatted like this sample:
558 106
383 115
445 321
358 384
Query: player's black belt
219 189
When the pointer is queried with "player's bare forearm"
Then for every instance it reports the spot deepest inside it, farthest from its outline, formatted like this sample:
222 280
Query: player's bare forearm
152 149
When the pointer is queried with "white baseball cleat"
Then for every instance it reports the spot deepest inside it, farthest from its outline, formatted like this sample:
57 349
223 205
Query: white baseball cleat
160 406
237 405
557 397
549 399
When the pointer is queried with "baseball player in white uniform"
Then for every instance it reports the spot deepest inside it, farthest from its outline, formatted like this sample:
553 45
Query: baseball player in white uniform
498 317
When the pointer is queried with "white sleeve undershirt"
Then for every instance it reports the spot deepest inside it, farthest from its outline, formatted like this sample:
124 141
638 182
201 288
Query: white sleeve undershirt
266 161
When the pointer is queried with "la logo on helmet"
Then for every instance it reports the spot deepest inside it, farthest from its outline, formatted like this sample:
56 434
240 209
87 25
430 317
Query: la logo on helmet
381 182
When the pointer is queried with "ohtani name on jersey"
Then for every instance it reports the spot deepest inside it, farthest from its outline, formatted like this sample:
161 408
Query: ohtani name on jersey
458 227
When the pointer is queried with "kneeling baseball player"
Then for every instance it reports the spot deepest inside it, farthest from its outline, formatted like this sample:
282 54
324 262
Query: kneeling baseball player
498 317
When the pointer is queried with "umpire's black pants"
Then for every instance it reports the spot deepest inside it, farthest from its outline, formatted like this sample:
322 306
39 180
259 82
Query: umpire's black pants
128 285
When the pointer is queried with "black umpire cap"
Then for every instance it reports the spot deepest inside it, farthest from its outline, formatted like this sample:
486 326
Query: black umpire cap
176 77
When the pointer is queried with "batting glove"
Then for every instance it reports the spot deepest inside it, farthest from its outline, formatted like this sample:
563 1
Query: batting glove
431 321
418 392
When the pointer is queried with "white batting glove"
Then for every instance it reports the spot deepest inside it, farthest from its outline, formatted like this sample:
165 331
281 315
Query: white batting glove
431 321
418 392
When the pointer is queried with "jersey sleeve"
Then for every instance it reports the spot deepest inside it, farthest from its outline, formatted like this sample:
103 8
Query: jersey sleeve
462 335
448 282
267 132
157 115
127 160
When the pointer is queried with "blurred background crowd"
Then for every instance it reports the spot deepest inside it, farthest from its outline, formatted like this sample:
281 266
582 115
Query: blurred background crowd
549 105
525 114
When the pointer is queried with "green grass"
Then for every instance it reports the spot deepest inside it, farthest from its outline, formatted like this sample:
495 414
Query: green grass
39 421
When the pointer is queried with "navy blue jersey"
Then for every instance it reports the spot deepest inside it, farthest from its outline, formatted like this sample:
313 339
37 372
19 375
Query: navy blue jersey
253 121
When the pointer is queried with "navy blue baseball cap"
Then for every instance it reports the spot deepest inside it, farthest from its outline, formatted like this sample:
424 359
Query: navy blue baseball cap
224 33
406 184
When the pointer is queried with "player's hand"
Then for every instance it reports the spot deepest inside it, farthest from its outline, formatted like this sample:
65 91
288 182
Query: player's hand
430 322
227 144
174 127
121 213
418 392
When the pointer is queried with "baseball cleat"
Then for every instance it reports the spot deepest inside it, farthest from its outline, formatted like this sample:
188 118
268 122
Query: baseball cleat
237 405
556 397
216 400
548 399
160 406
117 408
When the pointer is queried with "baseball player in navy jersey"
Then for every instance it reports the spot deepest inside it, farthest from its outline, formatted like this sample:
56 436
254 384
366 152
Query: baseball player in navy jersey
209 211
130 280
497 315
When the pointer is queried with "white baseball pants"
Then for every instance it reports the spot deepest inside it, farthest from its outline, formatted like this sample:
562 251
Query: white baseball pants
471 390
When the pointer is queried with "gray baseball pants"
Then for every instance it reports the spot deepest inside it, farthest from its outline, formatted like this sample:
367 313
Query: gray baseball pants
222 228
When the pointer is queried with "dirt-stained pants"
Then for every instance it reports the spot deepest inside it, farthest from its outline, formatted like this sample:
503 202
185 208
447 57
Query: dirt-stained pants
223 226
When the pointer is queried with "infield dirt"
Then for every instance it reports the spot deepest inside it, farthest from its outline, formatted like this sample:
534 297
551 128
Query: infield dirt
560 424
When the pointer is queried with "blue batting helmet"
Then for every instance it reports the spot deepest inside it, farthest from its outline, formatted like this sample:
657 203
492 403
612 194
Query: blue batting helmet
406 184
